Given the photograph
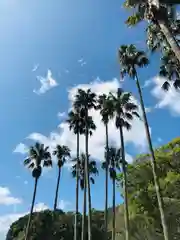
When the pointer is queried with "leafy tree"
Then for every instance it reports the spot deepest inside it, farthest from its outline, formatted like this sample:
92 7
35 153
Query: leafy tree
86 100
62 153
130 58
124 110
52 225
106 112
38 157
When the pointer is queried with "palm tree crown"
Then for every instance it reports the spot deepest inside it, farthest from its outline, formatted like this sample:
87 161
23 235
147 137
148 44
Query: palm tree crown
92 169
130 58
105 106
38 157
85 99
124 109
62 153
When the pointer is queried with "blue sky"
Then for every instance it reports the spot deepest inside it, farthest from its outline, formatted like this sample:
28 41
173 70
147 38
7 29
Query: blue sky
63 45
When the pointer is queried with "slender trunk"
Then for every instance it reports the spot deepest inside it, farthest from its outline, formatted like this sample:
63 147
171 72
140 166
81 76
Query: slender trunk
87 179
166 30
57 189
153 163
77 192
31 211
106 183
126 210
114 211
170 38
84 232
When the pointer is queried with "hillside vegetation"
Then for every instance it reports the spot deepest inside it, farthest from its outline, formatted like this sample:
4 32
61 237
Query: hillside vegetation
145 221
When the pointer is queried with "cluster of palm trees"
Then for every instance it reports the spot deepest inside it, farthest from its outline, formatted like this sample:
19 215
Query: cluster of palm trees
118 107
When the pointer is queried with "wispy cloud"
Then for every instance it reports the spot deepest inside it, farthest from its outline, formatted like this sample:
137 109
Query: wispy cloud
147 83
63 205
82 62
47 83
36 66
61 115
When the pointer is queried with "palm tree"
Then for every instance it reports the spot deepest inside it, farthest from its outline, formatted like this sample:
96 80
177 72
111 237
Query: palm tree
158 14
124 110
92 171
86 100
106 113
38 157
169 69
76 123
62 153
113 166
130 58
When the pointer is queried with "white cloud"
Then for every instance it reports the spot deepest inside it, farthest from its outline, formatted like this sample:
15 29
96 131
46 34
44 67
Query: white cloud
82 62
40 207
36 66
21 148
61 115
148 109
7 219
25 182
63 205
147 83
6 198
47 83
97 141
169 100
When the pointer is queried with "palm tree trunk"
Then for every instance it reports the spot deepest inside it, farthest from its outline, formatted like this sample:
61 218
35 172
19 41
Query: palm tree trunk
83 236
153 163
77 192
170 38
106 182
114 211
166 30
87 179
126 210
31 211
57 189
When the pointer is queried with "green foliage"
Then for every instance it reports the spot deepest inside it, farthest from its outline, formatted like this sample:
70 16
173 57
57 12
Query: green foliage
48 225
142 197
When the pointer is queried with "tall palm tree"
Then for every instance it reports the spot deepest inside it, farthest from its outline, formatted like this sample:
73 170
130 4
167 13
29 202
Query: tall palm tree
76 123
106 113
92 171
130 58
156 12
62 153
124 111
86 100
113 166
38 157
